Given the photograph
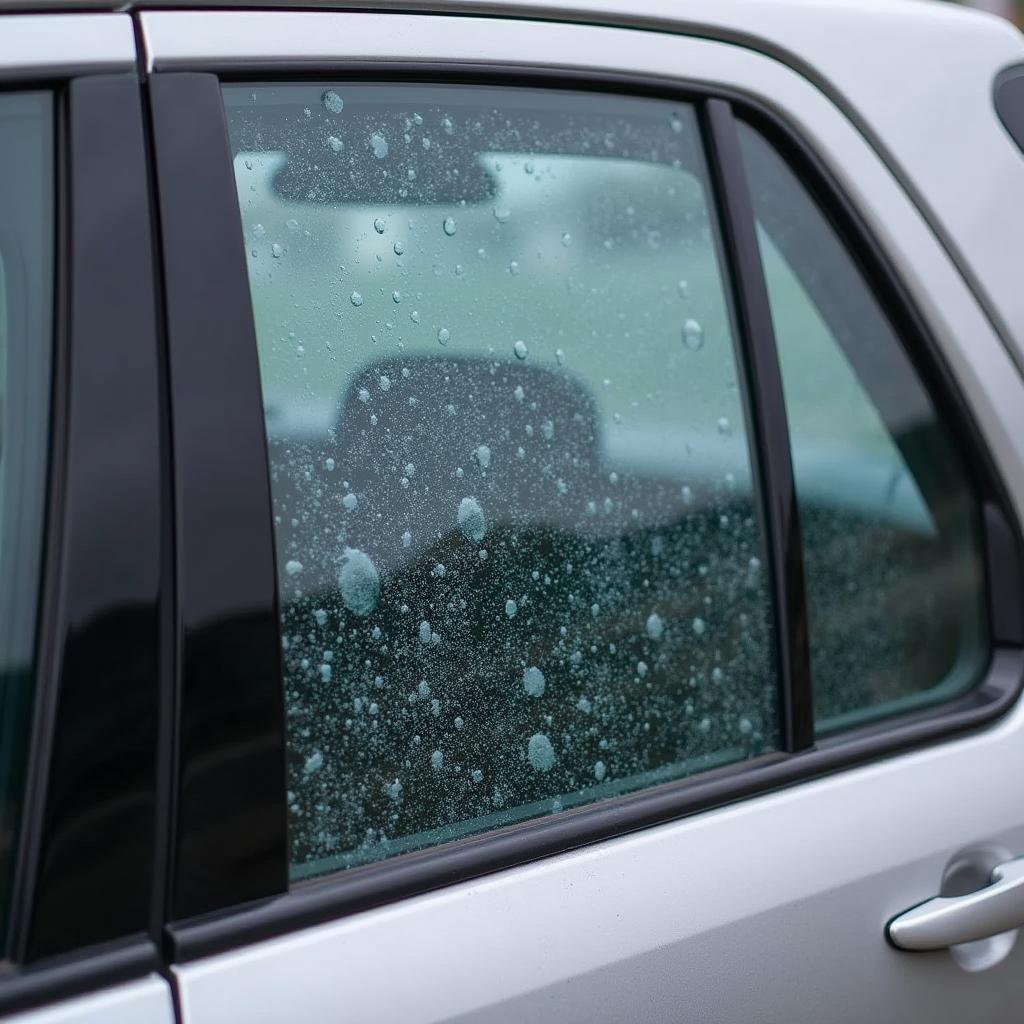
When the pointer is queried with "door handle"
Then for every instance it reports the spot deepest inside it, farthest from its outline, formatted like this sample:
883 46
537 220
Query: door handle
950 920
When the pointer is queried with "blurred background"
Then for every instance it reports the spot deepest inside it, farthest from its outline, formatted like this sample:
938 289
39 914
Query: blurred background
1012 9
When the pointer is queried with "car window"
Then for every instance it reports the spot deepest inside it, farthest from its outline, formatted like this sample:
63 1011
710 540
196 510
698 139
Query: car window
26 300
519 548
891 532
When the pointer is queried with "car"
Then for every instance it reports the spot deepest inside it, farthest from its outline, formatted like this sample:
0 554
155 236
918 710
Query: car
511 510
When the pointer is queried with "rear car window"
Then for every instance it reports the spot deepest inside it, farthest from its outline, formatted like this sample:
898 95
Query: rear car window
518 535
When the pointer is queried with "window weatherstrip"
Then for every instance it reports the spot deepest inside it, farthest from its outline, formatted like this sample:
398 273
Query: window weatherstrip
769 427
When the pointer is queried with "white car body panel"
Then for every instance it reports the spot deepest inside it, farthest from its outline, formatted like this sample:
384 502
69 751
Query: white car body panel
773 909
140 1002
34 45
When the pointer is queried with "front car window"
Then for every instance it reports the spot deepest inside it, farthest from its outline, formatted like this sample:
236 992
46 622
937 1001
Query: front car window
26 302
519 549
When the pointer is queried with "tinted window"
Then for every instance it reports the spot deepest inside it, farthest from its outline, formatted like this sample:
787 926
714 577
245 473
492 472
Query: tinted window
518 543
26 299
890 526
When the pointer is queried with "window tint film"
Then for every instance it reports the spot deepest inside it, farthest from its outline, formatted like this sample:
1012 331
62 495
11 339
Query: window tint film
518 544
26 300
891 534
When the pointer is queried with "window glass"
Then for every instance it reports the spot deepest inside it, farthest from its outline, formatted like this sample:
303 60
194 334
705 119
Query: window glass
26 300
518 543
891 536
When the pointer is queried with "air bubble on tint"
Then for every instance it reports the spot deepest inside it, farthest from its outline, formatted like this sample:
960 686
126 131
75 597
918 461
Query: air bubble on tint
356 299
693 335
378 145
359 582
471 520
350 501
333 102
655 626
600 771
483 456
437 760
533 682
520 349
511 608
540 753
293 567
313 763
448 226
444 335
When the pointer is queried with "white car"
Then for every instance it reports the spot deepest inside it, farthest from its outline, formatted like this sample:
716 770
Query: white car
511 511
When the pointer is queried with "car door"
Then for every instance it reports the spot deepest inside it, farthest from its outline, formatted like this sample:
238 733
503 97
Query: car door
633 538
82 534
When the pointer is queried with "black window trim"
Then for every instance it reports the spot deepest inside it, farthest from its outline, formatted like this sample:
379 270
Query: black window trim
67 935
231 921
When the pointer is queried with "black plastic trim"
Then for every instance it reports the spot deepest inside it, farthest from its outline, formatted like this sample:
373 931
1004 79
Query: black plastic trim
1006 577
378 884
769 424
92 843
230 842
1008 97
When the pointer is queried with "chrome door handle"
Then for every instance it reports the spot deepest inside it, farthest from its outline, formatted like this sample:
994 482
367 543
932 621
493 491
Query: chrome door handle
950 920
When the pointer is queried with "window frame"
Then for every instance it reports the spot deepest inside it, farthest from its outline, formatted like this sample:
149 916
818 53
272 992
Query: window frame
228 922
